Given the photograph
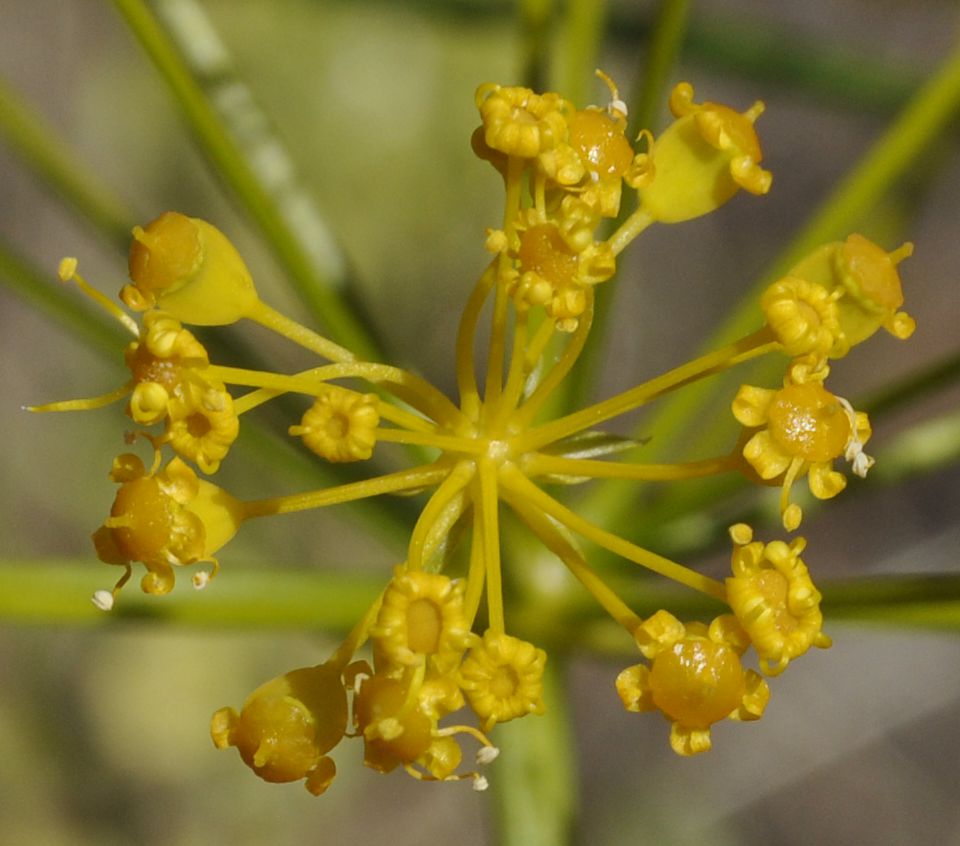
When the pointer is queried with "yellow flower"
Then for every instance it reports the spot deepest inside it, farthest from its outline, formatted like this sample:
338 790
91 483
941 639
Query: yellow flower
518 122
163 519
422 617
708 154
340 425
503 678
804 428
694 679
865 279
803 316
202 424
188 267
287 726
169 383
774 599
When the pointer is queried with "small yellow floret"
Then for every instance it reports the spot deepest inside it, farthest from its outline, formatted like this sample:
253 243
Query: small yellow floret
774 599
708 154
395 731
866 282
422 617
287 726
802 429
164 519
803 316
503 678
169 384
694 679
341 425
518 122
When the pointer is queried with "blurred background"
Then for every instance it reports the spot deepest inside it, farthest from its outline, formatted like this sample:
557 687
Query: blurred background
103 724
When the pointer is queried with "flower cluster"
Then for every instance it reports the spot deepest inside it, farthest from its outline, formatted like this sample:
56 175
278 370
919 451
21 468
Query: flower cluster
438 634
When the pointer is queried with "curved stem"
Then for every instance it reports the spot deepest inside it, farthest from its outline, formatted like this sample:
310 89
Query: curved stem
553 539
751 346
513 480
527 411
466 336
457 478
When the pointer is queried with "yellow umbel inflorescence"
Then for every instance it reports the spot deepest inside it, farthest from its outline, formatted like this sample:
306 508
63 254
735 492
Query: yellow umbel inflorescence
438 634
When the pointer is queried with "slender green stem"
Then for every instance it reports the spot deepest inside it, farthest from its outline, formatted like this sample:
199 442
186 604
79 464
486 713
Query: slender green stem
535 19
583 30
193 75
51 297
535 793
402 480
55 592
59 168
755 344
653 73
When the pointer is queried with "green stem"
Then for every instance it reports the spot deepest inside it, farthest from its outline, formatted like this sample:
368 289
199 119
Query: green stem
60 302
583 33
535 19
57 166
533 782
195 65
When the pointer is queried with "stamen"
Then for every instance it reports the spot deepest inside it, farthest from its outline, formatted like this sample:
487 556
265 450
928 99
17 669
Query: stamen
103 599
68 273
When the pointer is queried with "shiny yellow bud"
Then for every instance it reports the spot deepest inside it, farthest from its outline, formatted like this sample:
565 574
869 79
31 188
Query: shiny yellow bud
703 158
287 726
867 284
190 269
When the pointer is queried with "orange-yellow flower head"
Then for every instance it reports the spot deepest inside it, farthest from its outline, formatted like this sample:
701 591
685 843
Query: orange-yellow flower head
802 428
189 268
287 726
694 678
774 599
394 729
703 158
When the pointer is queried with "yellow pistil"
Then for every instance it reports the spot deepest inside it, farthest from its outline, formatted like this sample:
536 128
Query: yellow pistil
694 679
164 519
801 429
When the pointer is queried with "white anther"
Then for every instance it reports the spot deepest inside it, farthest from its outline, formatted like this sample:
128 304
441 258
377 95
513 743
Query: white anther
201 579
480 783
486 754
103 599
860 462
